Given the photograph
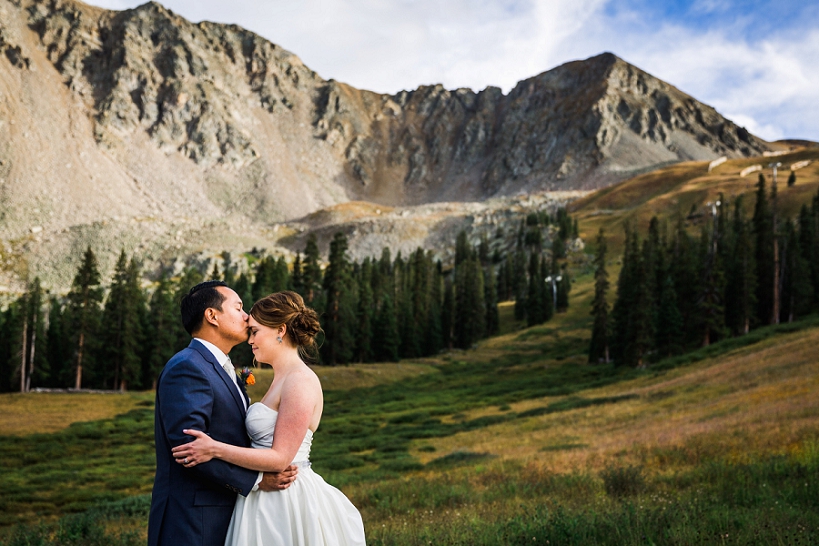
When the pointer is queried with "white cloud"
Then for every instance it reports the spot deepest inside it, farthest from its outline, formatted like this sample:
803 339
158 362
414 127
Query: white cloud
769 85
766 131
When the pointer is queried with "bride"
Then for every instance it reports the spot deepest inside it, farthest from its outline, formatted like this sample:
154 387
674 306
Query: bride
281 426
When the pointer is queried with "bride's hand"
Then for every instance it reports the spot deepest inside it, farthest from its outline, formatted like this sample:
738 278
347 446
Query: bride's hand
201 450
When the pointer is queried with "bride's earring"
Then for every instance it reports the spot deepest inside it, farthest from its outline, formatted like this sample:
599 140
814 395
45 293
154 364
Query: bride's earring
279 339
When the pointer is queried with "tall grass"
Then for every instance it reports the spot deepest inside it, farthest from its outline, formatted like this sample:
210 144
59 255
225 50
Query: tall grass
771 501
393 449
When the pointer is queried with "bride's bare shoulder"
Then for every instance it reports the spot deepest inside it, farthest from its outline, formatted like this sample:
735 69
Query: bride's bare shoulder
305 377
311 376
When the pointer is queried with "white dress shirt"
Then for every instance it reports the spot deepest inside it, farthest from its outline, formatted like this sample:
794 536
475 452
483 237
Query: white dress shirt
221 358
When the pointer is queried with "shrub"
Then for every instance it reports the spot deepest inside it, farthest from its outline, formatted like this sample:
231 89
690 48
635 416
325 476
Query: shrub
621 482
459 458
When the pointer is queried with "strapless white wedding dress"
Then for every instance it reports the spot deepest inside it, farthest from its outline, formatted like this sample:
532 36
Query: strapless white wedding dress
310 512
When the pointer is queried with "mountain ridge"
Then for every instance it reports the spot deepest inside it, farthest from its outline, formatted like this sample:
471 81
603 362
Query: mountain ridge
142 130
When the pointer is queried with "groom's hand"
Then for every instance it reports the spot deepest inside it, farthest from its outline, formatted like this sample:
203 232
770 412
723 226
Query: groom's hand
276 481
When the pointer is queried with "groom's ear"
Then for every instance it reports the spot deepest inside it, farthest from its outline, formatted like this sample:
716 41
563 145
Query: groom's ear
211 317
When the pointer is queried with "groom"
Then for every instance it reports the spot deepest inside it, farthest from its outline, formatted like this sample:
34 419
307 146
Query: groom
198 389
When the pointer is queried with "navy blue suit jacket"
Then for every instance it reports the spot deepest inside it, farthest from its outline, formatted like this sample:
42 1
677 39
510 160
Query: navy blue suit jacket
193 506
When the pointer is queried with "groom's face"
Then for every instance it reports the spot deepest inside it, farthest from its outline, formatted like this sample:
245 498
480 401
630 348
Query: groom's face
232 318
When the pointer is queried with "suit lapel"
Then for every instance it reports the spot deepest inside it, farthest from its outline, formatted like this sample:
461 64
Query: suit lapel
220 371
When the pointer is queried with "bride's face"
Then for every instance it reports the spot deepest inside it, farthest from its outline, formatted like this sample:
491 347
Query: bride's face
262 340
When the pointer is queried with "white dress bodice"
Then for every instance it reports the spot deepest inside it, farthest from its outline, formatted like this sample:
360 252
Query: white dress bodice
260 422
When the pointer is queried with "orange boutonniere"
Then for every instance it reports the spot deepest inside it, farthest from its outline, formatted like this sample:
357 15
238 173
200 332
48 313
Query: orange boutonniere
247 376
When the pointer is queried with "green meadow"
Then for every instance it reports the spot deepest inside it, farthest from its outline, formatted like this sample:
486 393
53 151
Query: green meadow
518 441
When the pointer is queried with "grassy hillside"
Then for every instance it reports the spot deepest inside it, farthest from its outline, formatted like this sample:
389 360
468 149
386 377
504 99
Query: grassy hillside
517 440
670 193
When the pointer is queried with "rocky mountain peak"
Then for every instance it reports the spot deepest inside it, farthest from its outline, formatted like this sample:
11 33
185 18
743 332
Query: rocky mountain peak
132 128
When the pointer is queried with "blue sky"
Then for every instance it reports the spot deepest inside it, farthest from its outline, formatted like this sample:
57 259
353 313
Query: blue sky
754 61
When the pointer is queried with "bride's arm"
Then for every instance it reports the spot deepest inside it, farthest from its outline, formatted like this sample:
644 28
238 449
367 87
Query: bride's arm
295 412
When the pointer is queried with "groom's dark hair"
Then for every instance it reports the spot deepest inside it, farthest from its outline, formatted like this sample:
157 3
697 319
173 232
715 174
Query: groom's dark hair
201 297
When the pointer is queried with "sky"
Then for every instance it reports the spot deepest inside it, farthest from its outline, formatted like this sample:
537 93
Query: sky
755 61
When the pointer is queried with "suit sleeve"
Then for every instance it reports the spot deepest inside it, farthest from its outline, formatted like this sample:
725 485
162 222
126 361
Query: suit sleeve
187 403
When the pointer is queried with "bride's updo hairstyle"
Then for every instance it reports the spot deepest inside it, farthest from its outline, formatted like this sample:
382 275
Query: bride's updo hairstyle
287 308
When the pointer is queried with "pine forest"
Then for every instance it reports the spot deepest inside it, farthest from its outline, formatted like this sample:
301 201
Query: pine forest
118 336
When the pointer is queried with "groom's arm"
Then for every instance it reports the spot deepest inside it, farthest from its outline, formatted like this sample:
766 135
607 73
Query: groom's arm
187 403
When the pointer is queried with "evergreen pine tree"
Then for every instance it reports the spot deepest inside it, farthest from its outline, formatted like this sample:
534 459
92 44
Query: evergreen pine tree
564 286
763 254
419 286
281 275
653 255
364 314
11 331
339 324
400 291
244 288
777 256
740 284
519 284
297 280
797 289
534 239
83 315
57 354
269 278
122 336
470 308
712 285
433 335
640 334
625 299
386 339
564 224
4 363
37 369
162 338
311 274
599 345
483 250
448 315
633 314
410 347
502 282
491 300
792 179
669 319
809 248
462 249
26 344
686 271
535 312
558 248
814 264
229 275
